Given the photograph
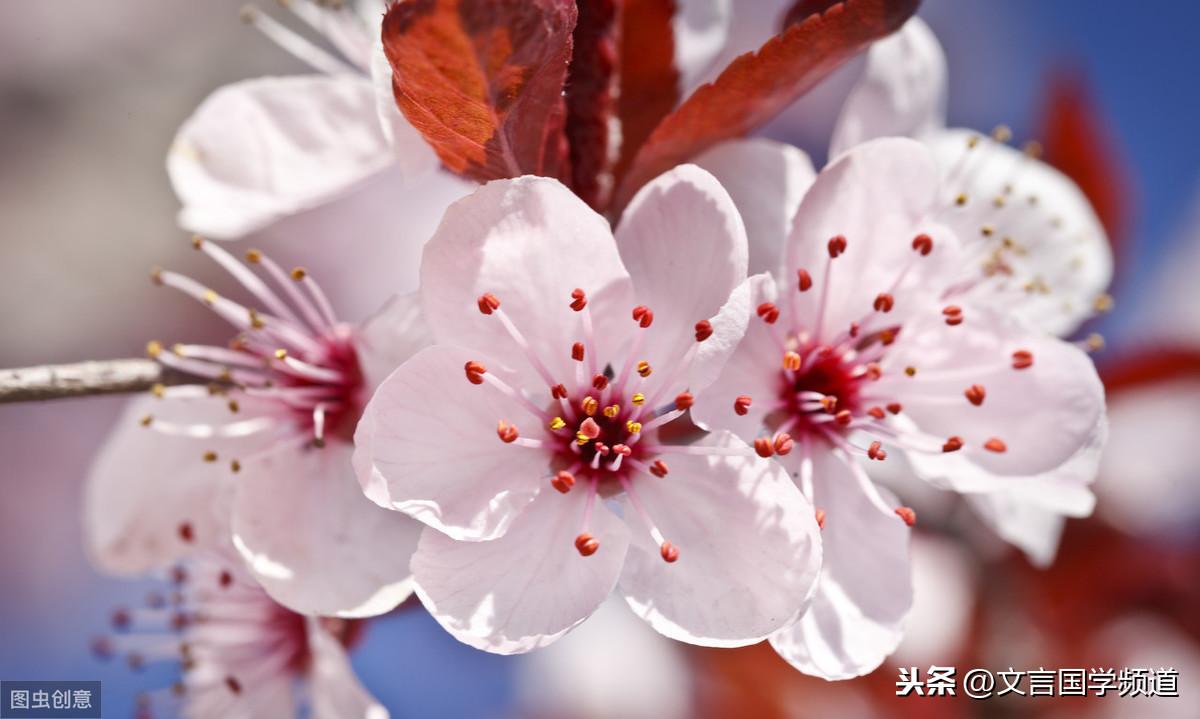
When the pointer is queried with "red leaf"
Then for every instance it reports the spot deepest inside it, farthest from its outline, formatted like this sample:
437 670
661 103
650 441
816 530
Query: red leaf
590 99
482 81
759 85
649 80
803 8
1076 141
1149 366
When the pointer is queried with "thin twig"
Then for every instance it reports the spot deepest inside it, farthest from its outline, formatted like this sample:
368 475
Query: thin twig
84 379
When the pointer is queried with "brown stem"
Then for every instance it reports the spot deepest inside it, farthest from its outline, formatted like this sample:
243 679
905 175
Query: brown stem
84 379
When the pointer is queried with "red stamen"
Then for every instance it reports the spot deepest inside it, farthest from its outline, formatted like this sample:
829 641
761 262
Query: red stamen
975 394
234 685
1022 359
837 246
995 444
507 432
804 280
558 391
186 532
843 417
488 303
953 314
475 372
577 351
874 371
563 481
763 447
704 330
876 412
741 405
895 407
586 544
784 443
768 313
622 449
643 316
600 382
875 451
907 514
820 519
853 330
887 337
659 468
669 552
884 302
684 400
953 444
923 243
829 403
589 428
578 299
226 579
792 361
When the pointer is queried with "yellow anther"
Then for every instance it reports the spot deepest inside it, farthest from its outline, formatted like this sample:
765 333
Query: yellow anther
156 275
226 375
961 199
612 411
197 242
1103 303
299 273
910 371
791 361
147 420
178 349
998 201
154 348
1095 342
234 406
557 423
643 368
987 230
638 399
972 142
589 405
280 354
256 321
1033 148
253 256
581 438
210 456
1002 133
210 297
158 390
633 427
235 465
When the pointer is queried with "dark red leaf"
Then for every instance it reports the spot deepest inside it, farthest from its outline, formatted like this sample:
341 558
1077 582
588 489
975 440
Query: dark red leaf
1076 141
482 81
590 99
801 9
1150 365
649 81
757 86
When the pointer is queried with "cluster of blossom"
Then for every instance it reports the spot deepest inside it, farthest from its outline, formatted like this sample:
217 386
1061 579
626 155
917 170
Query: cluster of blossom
682 396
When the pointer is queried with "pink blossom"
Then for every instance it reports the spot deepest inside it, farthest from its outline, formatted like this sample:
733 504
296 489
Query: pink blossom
872 342
262 453
241 654
532 438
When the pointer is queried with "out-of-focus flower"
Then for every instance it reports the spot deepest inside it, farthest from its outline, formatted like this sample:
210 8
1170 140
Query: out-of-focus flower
525 289
652 680
241 654
264 450
1041 251
868 338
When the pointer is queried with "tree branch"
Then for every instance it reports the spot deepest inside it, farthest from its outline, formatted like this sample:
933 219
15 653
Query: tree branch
84 379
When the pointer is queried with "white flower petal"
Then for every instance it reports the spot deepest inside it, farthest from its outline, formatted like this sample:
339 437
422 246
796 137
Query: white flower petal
262 149
749 548
392 335
427 445
902 91
526 589
335 690
313 541
865 590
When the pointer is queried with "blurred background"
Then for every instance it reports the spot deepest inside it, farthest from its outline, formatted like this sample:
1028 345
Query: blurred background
90 97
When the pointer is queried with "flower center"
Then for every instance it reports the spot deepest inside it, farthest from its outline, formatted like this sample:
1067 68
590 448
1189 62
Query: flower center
292 370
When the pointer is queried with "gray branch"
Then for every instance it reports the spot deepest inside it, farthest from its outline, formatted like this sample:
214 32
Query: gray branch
84 379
